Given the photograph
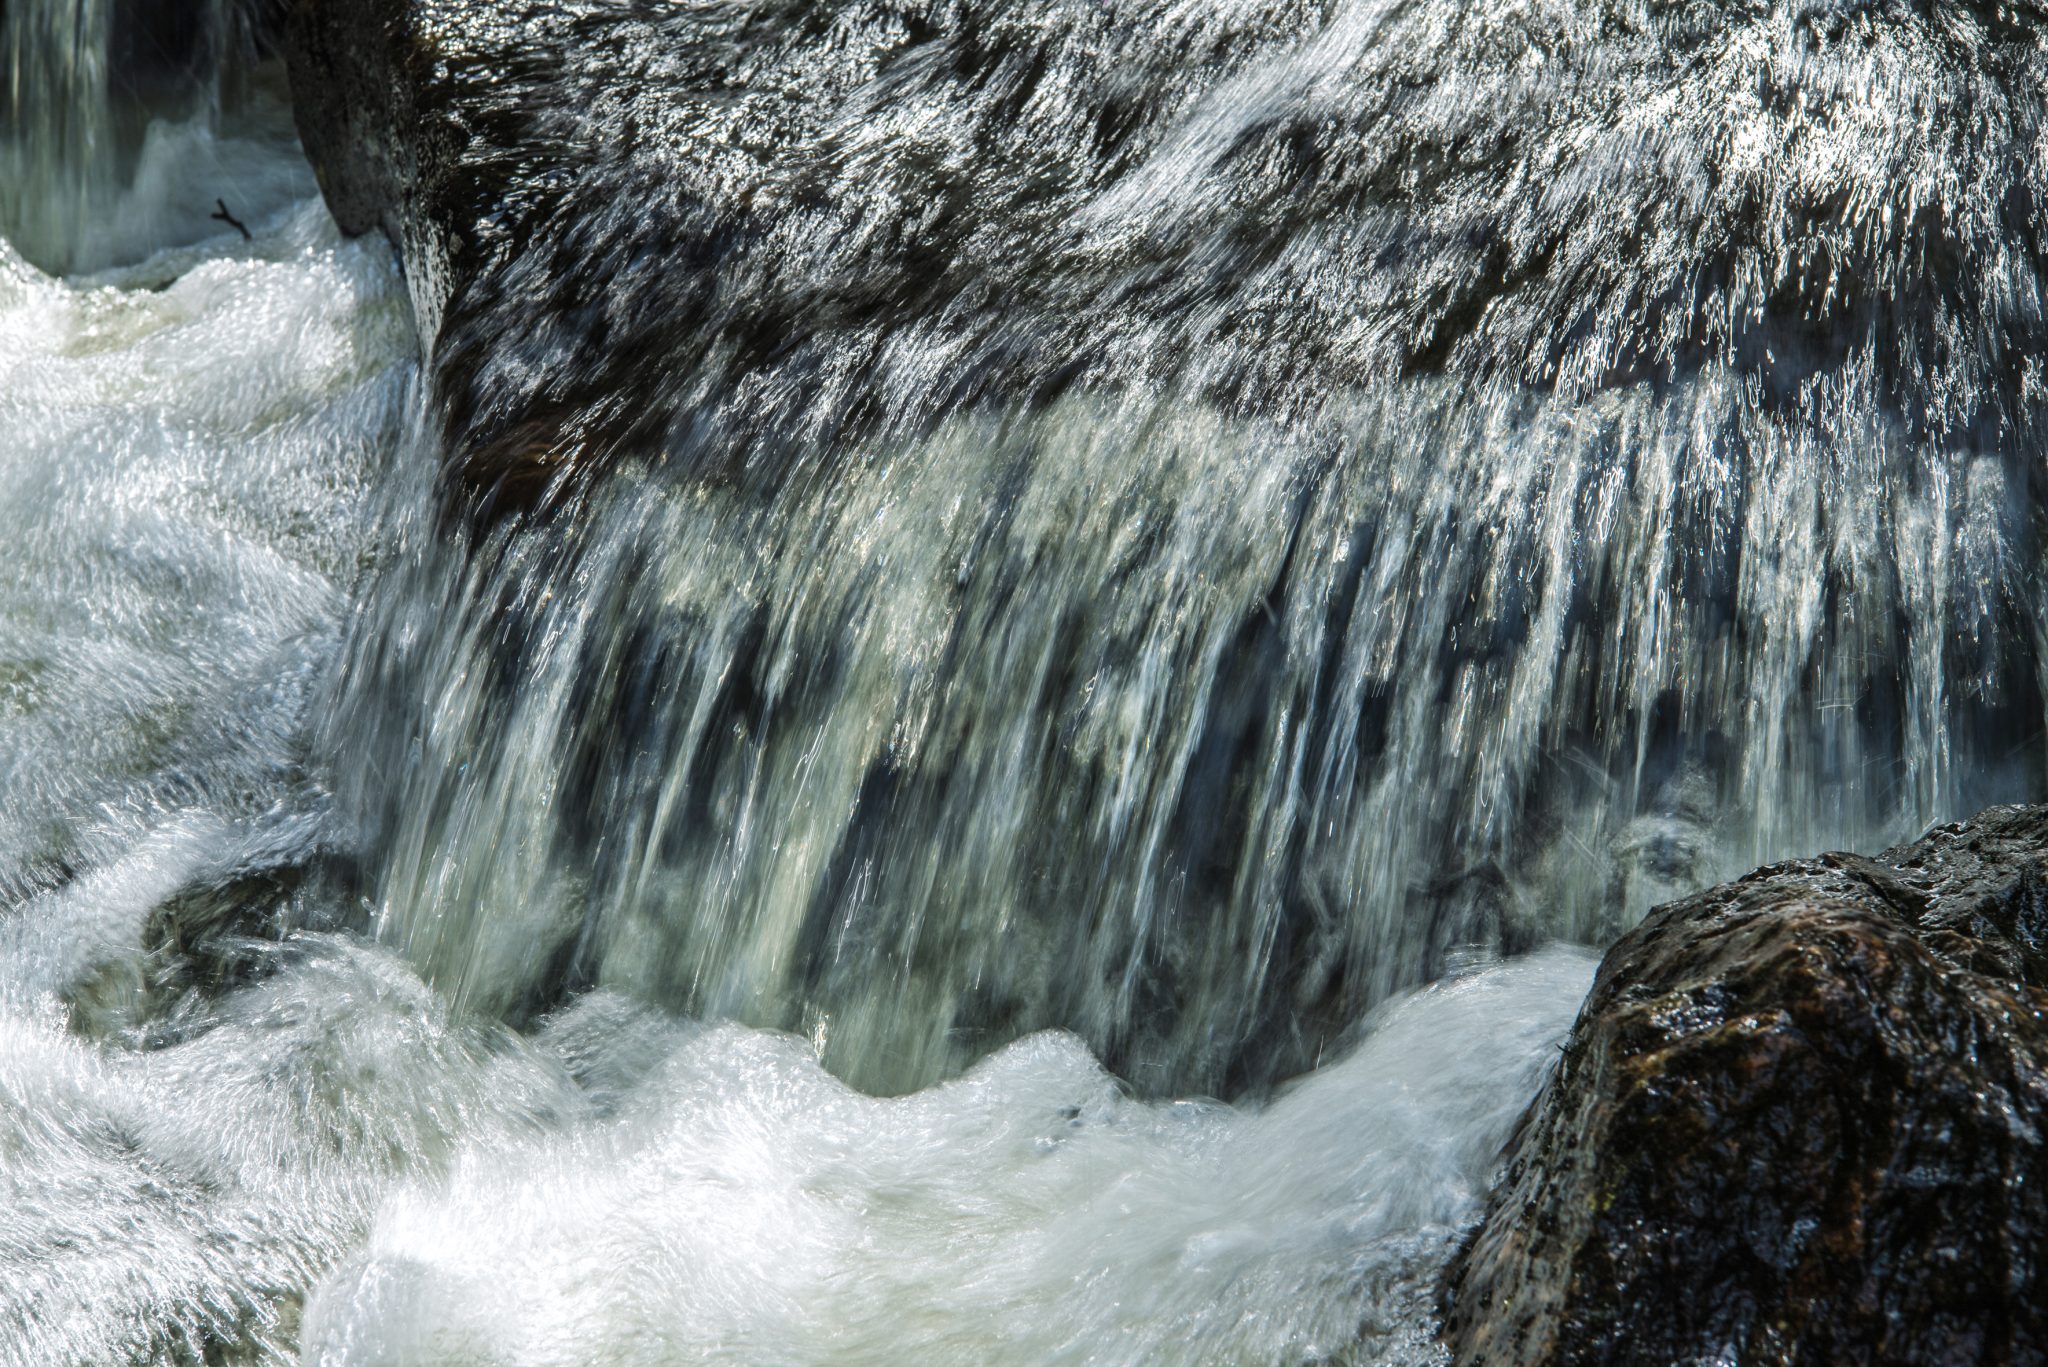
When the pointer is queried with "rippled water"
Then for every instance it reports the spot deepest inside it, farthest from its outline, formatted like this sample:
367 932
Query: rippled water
789 899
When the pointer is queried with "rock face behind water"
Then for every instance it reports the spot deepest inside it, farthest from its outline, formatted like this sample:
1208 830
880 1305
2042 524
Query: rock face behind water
1382 478
729 214
1801 1120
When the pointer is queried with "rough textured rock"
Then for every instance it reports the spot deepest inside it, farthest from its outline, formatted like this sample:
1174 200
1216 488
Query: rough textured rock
363 80
724 231
1803 1118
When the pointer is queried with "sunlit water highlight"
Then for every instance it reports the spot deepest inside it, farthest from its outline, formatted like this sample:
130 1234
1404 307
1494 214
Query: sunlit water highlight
726 926
1178 522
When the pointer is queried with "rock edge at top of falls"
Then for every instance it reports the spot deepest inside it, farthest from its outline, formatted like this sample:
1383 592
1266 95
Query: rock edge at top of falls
714 230
1803 1118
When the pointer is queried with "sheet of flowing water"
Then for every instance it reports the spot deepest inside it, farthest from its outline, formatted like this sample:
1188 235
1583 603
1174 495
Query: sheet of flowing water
904 691
392 927
1193 734
210 1113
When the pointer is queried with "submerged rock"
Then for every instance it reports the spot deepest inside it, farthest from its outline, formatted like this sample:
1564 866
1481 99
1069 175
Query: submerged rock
1800 1120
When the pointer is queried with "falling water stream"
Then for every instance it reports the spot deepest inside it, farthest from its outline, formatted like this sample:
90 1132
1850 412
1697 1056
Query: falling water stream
810 922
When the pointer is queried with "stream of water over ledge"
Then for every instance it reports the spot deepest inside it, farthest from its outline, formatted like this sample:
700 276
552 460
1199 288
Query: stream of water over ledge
813 923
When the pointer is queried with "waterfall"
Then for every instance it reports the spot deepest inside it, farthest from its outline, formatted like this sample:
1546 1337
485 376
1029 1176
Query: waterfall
1195 734
970 683
109 104
1185 587
59 118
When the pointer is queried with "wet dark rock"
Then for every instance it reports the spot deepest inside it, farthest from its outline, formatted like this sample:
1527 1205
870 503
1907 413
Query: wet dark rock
360 88
726 234
1803 1118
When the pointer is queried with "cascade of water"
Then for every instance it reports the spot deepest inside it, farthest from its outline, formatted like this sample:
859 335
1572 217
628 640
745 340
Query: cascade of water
1186 732
1075 548
56 120
1184 573
219 1148
104 101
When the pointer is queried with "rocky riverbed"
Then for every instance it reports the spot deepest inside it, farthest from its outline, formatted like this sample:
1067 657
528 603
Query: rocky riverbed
722 755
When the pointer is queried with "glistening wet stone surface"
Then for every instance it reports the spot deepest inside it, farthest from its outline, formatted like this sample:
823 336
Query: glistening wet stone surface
1801 1120
1180 523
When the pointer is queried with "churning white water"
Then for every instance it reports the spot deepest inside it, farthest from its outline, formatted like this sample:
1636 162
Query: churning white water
225 1136
723 1199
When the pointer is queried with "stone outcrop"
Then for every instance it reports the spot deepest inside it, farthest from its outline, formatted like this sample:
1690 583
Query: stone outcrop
1725 269
1803 1118
701 220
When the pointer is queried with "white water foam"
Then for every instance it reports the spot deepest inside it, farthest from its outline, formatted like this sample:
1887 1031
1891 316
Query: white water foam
728 1201
187 449
186 453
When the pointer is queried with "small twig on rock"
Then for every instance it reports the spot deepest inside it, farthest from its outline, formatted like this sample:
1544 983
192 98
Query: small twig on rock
221 213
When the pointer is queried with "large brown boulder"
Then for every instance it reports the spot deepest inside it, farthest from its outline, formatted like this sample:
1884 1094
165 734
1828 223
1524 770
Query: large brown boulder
1801 1119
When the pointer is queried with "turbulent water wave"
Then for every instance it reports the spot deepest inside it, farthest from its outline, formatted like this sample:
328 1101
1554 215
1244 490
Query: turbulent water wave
227 1138
187 452
182 507
747 1207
